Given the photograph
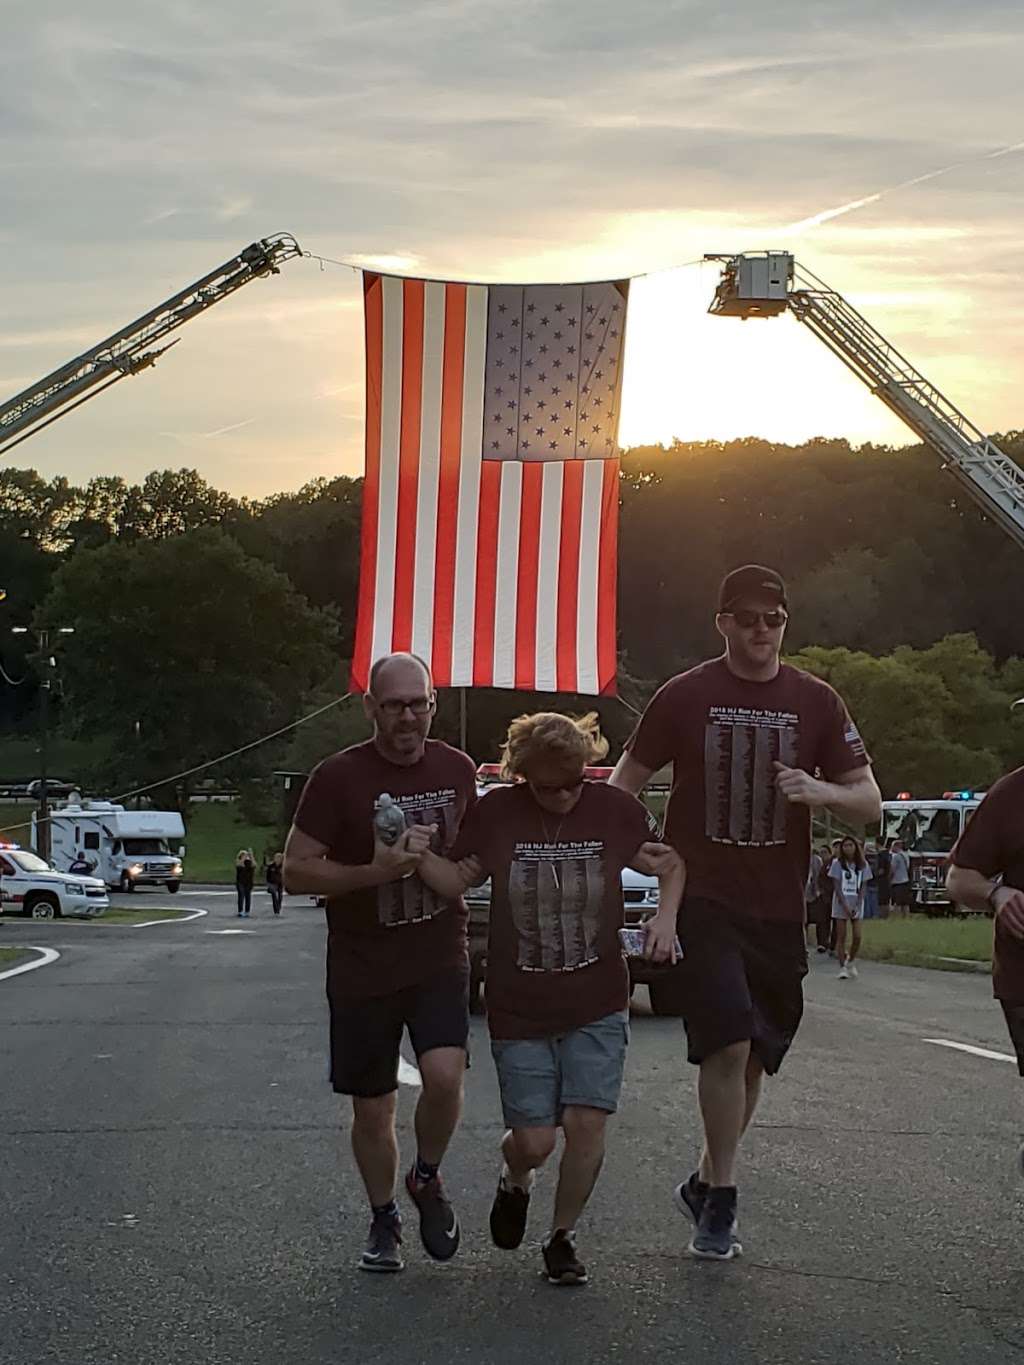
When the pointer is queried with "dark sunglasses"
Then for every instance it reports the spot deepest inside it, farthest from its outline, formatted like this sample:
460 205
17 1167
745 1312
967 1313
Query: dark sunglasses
556 788
746 619
397 706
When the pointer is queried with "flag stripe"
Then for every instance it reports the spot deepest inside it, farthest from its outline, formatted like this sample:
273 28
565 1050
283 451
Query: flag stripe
363 648
486 574
469 484
448 482
507 587
569 573
408 461
546 635
590 539
529 558
390 433
607 658
429 475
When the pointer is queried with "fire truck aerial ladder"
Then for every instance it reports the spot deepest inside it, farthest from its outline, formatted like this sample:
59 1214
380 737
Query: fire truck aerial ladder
766 283
131 349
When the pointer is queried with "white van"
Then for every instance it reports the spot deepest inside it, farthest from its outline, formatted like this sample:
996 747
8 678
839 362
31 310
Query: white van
126 848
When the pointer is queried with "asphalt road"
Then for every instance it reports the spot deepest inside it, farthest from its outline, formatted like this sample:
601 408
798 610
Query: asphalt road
176 1185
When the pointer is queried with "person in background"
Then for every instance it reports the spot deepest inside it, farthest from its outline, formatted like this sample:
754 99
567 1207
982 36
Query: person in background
275 881
987 874
812 897
81 864
836 846
882 878
555 846
823 902
850 877
871 898
900 889
245 875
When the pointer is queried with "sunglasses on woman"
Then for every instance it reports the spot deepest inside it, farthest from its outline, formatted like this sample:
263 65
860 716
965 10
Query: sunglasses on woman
556 788
747 619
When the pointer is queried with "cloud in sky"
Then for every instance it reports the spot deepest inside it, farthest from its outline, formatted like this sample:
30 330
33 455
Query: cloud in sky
141 146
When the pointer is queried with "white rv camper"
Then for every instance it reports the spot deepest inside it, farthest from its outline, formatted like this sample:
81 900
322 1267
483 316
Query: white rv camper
127 848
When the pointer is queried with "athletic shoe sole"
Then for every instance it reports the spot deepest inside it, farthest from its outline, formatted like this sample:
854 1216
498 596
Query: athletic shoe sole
735 1249
567 1280
381 1267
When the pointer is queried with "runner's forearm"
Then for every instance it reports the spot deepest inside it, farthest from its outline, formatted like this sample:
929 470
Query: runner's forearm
671 885
971 888
322 877
443 876
859 802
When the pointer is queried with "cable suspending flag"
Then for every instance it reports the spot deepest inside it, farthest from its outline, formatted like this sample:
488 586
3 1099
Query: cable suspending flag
490 504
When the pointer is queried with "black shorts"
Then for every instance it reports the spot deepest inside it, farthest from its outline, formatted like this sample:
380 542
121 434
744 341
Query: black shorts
741 979
366 1035
902 895
1015 1023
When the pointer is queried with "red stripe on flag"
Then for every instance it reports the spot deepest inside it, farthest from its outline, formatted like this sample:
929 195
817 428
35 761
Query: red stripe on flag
607 659
448 479
408 462
374 322
569 574
486 573
529 564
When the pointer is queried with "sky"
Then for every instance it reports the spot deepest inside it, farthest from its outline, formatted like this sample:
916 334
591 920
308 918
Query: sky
143 144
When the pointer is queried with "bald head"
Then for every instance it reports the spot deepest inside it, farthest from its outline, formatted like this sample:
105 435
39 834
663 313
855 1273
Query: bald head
399 671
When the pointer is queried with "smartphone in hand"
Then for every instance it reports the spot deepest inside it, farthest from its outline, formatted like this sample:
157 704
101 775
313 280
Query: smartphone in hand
633 942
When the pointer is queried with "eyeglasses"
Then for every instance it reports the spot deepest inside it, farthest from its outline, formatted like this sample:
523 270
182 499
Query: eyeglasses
746 619
556 788
397 706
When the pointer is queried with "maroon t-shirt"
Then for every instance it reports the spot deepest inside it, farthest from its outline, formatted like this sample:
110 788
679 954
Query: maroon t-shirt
993 844
384 938
746 847
554 962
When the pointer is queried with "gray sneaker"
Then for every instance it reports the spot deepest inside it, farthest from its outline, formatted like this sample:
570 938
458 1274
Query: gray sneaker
383 1252
715 1238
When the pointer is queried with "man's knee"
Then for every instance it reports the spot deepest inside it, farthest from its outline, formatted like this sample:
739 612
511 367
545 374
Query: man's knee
443 1071
534 1145
584 1126
728 1061
374 1115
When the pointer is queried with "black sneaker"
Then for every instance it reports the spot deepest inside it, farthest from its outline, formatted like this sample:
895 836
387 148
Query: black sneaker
715 1238
439 1226
561 1263
690 1196
383 1252
508 1216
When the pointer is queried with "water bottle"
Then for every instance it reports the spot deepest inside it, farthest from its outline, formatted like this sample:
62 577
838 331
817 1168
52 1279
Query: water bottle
388 820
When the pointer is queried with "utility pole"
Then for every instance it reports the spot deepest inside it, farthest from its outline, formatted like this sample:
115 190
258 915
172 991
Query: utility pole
48 664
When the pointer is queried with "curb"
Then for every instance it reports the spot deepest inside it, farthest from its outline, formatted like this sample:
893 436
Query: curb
47 955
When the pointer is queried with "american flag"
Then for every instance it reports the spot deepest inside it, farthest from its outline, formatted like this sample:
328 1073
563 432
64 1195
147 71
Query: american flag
490 504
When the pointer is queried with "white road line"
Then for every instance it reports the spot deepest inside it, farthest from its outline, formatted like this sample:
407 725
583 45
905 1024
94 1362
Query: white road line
230 931
178 919
48 955
408 1074
974 1051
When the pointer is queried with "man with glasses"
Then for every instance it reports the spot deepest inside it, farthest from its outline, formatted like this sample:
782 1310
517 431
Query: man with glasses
746 735
396 952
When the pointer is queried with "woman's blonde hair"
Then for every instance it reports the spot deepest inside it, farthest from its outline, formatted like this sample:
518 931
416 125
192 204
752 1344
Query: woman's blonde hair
551 736
244 853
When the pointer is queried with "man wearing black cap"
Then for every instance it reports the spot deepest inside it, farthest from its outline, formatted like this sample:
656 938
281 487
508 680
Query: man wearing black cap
747 736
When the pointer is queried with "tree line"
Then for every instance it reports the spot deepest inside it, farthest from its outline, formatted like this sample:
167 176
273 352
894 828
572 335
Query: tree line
203 620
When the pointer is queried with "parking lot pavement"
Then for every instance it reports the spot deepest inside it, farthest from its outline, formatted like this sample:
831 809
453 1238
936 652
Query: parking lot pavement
177 1187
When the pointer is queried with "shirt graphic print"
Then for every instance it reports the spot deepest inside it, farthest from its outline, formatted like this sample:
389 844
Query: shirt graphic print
556 895
410 900
743 806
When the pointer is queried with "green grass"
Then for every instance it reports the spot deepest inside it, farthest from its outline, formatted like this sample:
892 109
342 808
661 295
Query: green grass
920 942
213 835
9 956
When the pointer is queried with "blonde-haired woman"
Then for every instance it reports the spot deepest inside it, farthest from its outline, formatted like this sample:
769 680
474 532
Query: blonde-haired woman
554 846
245 874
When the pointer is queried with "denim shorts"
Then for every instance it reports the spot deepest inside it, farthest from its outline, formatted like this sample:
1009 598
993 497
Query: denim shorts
539 1077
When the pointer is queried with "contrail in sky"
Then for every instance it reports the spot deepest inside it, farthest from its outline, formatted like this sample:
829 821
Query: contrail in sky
827 215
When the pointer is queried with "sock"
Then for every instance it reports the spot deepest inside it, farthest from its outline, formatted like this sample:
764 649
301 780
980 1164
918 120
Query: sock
388 1210
423 1171
507 1183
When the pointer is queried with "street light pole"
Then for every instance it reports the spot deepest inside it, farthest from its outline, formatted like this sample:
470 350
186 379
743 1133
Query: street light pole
49 664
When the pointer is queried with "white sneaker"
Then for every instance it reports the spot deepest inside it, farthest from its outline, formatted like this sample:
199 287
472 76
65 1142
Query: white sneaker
843 974
851 968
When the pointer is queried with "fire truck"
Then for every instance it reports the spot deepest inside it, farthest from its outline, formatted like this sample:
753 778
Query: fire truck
928 829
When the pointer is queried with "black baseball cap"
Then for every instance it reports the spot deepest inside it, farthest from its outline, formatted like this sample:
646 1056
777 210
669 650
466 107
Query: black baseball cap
752 580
